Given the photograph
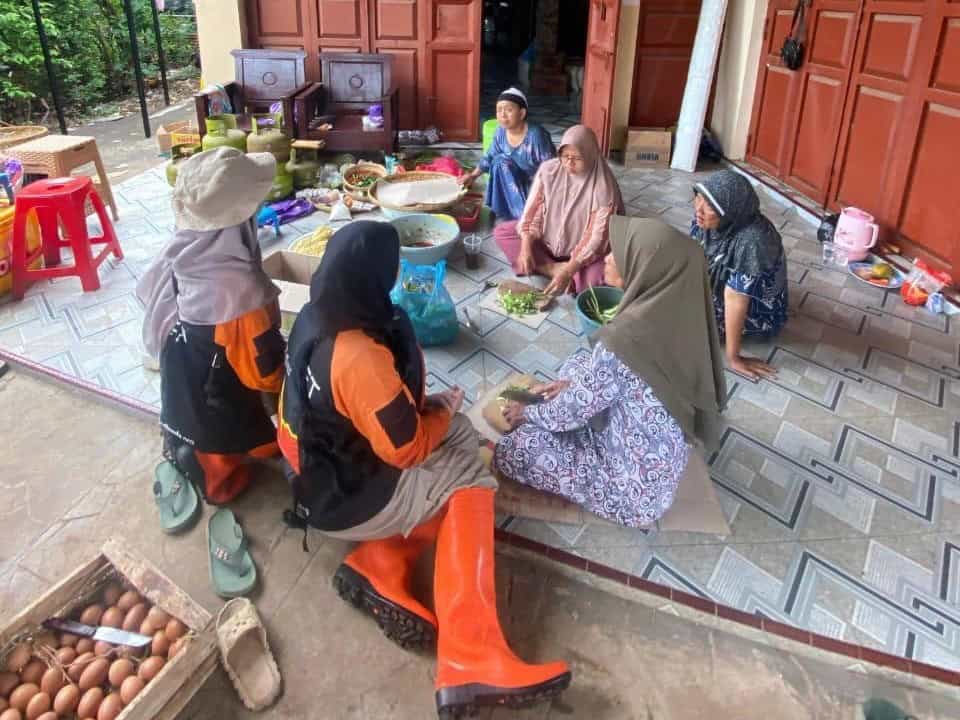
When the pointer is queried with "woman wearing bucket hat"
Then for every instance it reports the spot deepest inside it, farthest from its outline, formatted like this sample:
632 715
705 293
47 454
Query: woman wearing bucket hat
213 321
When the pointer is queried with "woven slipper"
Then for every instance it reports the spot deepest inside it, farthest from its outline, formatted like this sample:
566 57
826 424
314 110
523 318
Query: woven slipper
246 655
232 571
176 499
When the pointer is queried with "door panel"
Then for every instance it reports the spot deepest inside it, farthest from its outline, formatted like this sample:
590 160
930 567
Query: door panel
820 109
396 20
891 45
275 18
452 96
599 68
405 80
342 20
774 99
664 45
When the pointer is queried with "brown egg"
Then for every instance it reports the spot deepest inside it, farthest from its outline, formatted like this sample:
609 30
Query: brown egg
161 645
131 688
120 670
38 705
112 617
128 600
84 645
52 681
134 617
33 671
68 640
111 706
49 715
66 655
159 617
176 647
65 701
90 703
175 630
11 714
94 674
111 594
19 657
79 665
102 648
47 640
150 667
8 681
91 615
21 696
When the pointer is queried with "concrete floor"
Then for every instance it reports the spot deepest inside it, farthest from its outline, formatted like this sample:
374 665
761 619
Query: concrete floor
76 471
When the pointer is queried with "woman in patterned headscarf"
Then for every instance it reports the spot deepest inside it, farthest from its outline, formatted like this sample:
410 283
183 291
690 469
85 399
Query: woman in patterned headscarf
747 265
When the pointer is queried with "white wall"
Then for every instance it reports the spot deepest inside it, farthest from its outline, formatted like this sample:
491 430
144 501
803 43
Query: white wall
737 75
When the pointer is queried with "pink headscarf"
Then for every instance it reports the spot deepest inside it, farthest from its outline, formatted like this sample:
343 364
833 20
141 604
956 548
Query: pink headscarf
570 199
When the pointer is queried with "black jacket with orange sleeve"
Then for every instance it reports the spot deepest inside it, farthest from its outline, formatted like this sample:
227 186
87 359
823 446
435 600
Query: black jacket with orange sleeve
355 431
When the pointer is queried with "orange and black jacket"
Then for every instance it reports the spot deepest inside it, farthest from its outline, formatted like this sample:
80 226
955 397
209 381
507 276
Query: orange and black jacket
350 424
212 377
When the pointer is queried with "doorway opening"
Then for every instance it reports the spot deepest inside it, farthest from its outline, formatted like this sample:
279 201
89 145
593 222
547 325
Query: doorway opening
531 45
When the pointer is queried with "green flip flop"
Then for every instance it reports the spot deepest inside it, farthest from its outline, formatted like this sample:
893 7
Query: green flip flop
232 571
176 499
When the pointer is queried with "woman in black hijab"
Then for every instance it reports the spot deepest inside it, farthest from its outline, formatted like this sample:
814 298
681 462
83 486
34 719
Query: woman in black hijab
377 461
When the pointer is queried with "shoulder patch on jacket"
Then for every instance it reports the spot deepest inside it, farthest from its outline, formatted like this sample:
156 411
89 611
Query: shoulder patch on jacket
399 420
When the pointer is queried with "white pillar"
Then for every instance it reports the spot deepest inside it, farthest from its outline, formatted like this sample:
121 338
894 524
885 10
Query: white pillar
696 96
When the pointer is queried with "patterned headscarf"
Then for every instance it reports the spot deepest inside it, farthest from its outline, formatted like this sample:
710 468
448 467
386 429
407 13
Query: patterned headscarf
745 242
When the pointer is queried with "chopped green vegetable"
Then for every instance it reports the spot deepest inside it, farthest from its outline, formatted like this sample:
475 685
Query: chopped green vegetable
593 311
519 303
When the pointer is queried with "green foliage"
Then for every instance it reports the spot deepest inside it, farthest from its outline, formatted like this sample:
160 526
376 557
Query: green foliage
91 52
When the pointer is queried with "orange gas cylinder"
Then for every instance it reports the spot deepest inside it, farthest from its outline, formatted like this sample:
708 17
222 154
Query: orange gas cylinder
6 241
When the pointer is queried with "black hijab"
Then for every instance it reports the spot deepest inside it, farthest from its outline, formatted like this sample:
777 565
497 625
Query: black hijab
351 291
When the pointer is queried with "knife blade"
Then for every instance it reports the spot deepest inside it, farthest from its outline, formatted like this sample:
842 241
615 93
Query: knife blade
107 634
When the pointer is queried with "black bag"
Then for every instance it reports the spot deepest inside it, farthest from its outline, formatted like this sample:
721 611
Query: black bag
792 51
828 226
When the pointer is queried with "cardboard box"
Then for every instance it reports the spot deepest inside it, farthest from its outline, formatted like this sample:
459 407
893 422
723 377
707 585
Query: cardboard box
648 147
291 272
165 134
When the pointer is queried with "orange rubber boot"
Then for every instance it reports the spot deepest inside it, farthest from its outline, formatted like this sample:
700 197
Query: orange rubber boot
376 577
475 666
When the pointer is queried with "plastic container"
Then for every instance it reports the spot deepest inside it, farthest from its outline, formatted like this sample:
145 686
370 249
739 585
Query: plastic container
921 283
606 296
489 130
6 239
412 227
471 249
467 212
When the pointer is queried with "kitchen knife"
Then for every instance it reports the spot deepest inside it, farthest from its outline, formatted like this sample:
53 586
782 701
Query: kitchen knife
107 634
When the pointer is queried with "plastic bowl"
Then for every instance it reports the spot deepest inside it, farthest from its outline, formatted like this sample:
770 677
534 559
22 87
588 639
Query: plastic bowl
606 297
444 226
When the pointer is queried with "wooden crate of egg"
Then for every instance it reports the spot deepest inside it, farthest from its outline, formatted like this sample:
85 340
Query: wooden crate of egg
57 676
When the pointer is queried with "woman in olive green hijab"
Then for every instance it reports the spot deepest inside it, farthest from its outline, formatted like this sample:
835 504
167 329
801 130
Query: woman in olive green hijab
616 430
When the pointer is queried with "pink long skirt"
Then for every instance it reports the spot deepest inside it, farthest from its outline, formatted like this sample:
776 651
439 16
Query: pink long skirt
506 236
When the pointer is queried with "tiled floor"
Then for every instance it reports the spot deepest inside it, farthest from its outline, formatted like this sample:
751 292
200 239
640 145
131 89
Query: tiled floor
840 479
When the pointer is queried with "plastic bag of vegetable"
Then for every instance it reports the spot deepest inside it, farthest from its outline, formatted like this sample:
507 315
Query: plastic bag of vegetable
421 293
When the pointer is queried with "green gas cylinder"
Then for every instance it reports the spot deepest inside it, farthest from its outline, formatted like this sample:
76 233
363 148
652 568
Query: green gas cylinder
179 153
266 136
223 133
282 187
304 165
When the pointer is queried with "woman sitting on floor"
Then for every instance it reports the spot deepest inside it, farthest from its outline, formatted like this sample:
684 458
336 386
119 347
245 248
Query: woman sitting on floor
213 321
615 430
747 264
563 231
377 461
517 150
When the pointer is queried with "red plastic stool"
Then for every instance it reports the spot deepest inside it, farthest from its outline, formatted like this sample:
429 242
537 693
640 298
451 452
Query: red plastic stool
62 199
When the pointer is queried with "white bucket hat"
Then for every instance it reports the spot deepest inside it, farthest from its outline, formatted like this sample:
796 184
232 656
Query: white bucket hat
220 188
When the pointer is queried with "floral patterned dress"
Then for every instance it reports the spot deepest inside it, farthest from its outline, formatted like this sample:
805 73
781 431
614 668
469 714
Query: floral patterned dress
512 169
605 443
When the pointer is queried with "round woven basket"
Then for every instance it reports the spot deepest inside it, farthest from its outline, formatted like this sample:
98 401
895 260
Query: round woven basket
418 176
11 135
361 168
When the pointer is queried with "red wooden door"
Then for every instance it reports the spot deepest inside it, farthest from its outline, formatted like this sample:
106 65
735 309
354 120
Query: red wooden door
452 67
899 154
343 25
664 44
797 116
396 30
599 68
284 25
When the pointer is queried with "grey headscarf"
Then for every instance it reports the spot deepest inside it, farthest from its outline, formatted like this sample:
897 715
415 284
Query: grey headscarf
746 242
203 278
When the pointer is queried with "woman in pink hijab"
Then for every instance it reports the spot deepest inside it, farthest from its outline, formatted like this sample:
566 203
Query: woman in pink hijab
562 233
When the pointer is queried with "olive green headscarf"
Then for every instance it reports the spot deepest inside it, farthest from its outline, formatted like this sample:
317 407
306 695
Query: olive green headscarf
665 330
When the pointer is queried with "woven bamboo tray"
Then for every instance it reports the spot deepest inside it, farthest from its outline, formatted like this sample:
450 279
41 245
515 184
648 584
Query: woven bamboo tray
11 135
417 176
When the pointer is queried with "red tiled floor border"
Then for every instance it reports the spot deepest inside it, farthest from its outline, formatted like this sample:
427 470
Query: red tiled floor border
756 622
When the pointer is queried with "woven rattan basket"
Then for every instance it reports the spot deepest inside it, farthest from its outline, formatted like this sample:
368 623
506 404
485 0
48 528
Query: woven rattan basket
417 176
11 135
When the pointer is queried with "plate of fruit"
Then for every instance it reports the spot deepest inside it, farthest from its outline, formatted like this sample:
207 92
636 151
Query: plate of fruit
878 273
